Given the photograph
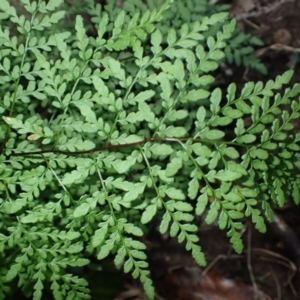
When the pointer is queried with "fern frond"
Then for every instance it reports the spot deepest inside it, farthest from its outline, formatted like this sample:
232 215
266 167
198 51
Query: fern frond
103 132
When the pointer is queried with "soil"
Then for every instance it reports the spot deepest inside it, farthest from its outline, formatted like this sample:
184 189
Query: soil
276 22
268 267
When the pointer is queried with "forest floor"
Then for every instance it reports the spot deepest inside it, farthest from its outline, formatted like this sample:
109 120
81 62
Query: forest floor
268 267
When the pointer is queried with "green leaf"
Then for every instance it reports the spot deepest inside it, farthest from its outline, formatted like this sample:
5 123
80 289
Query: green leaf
173 166
165 223
123 166
13 271
285 77
156 39
232 113
171 36
198 255
161 149
99 86
202 202
121 254
71 235
228 175
222 121
174 229
187 43
259 165
99 235
201 150
183 206
81 210
84 208
115 68
149 213
149 289
72 177
175 194
128 265
235 214
201 114
119 20
247 90
195 95
132 229
177 115
223 219
193 188
233 197
218 17
247 139
214 134
259 153
30 218
208 66
53 4
143 96
13 207
231 152
177 132
212 213
215 99
236 241
296 193
106 248
38 290
86 111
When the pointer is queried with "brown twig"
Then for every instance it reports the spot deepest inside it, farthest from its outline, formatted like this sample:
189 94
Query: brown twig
249 264
216 259
278 287
126 145
277 47
279 259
